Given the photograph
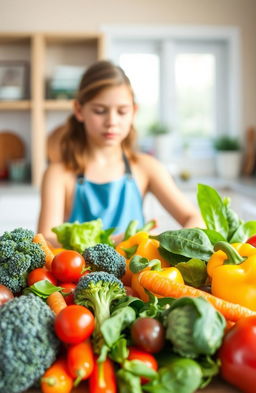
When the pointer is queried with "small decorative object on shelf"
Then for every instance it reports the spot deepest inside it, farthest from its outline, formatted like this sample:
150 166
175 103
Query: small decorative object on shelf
13 80
65 81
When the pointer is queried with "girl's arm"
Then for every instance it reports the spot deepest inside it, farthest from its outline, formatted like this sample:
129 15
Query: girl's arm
161 184
52 202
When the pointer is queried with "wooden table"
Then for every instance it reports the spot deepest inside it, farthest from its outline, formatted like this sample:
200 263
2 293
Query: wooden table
217 386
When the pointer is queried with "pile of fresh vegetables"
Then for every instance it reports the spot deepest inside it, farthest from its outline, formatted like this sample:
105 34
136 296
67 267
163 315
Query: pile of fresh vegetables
157 313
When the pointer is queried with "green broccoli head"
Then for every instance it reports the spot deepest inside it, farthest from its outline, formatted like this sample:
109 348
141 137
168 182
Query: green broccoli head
99 291
18 256
28 345
103 257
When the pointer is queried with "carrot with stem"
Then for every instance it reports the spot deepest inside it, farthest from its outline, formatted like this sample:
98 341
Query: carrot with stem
49 255
163 286
56 302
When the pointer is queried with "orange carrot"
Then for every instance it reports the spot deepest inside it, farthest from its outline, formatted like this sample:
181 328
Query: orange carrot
229 325
40 239
56 302
163 286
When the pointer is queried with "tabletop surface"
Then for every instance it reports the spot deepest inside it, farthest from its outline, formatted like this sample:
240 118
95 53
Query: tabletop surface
217 386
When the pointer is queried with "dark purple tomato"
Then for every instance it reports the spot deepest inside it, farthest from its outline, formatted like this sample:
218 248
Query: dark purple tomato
148 334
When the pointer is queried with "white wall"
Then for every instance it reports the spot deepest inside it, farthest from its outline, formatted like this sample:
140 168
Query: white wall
80 15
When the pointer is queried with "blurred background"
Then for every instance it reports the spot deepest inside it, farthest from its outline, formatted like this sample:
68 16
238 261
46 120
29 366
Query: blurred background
192 65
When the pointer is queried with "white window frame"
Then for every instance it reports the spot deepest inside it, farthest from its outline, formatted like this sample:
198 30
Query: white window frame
228 35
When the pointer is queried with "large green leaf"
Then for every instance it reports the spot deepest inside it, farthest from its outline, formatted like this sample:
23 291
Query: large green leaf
213 209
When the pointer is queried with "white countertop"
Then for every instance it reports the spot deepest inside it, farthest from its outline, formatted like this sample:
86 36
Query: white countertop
244 185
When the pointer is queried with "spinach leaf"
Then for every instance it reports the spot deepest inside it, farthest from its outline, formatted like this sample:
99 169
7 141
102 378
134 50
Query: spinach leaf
190 242
119 320
193 272
214 236
42 288
128 382
243 232
172 258
119 350
212 209
139 368
233 220
180 375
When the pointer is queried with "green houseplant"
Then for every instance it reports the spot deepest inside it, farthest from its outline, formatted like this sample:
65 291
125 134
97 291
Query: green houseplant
160 133
228 156
226 143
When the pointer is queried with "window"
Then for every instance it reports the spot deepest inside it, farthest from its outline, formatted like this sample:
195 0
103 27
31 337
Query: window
184 78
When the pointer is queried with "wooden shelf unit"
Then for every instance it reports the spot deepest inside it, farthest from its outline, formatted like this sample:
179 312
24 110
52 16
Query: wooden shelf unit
15 105
44 51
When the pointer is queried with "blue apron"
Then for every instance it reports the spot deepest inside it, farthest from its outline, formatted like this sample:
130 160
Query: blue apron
116 202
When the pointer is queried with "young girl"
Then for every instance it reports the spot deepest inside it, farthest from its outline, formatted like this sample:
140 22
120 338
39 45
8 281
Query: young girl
100 174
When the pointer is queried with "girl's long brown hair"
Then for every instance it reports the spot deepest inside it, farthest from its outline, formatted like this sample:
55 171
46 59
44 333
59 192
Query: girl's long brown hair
99 76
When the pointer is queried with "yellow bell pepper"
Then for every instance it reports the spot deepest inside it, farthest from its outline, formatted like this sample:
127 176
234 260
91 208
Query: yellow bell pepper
232 270
139 244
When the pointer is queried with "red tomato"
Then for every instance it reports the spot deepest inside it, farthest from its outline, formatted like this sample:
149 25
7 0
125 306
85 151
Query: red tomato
252 240
74 324
68 287
5 294
40 274
67 266
238 355
143 356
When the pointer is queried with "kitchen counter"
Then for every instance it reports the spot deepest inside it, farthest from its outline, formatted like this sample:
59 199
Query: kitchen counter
243 185
20 203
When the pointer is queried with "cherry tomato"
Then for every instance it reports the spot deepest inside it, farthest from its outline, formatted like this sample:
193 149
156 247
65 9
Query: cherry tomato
5 294
74 324
80 361
68 287
56 379
143 356
238 355
252 240
148 334
40 274
67 266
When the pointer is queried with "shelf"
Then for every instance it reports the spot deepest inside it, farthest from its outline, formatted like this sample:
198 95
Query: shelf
58 105
15 105
44 52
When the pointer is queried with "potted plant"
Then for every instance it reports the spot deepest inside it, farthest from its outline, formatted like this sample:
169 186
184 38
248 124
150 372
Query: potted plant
228 156
161 140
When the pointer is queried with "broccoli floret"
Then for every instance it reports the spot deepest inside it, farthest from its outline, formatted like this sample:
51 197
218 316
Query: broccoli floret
28 345
19 255
98 291
104 258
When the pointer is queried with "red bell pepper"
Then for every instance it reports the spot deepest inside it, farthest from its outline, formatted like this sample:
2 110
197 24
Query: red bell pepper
238 355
